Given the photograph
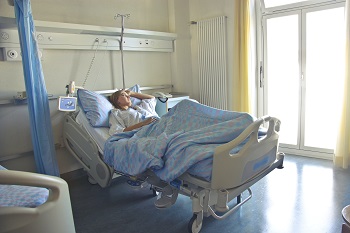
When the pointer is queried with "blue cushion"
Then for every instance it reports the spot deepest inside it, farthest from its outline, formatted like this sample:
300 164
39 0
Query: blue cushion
22 196
95 106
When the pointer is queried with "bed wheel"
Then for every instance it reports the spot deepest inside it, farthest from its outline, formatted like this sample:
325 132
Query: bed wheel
155 193
192 225
92 180
154 190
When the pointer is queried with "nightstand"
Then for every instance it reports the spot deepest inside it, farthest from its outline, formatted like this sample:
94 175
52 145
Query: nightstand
162 108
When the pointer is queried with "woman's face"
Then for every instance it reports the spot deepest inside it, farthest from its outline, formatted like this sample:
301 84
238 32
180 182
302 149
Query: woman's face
124 99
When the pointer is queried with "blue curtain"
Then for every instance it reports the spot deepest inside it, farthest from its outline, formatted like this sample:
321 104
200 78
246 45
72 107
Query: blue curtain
38 102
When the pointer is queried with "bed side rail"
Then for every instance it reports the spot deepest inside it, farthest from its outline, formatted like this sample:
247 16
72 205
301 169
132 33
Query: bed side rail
232 170
80 144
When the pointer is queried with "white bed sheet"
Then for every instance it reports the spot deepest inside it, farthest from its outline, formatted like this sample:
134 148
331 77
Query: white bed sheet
98 134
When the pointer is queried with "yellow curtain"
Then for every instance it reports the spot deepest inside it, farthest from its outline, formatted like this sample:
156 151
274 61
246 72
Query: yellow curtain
241 95
342 150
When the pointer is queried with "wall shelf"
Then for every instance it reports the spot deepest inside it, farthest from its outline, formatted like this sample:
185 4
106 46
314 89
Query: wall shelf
56 35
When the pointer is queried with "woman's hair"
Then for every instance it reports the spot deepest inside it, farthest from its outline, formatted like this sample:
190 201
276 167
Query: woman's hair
114 98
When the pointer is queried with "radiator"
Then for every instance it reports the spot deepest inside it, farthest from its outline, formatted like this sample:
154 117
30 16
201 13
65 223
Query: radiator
212 62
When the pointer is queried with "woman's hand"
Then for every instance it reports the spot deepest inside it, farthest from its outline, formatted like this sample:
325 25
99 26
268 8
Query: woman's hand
140 124
128 92
149 120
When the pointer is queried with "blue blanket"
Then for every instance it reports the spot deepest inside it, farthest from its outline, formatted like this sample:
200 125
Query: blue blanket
183 140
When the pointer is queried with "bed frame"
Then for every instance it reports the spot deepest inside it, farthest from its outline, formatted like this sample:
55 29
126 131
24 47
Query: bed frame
84 148
231 174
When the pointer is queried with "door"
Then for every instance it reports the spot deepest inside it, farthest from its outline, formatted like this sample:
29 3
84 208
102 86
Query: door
303 61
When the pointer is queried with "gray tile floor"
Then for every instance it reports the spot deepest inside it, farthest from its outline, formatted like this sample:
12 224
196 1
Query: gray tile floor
306 196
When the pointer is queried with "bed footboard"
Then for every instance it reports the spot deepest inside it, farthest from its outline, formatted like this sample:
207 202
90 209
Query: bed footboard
233 170
215 202
80 144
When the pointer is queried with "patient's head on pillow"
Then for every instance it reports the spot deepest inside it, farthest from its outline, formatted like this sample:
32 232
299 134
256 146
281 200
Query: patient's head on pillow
121 99
97 107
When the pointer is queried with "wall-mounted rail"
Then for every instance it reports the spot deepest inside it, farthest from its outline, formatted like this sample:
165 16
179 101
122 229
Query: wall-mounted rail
56 35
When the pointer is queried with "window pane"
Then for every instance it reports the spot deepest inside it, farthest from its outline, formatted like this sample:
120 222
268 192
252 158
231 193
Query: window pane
274 3
283 74
324 75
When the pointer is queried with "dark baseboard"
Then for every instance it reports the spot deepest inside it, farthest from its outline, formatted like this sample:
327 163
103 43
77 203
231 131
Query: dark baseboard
73 174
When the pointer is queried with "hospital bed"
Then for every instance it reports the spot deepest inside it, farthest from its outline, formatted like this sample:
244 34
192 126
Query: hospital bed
33 203
231 174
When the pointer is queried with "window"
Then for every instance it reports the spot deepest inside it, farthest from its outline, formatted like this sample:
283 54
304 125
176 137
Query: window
303 76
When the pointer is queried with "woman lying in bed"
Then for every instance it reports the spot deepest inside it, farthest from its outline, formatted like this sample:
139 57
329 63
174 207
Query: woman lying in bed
126 117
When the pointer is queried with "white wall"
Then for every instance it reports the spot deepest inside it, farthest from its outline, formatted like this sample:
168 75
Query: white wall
179 19
62 66
206 9
145 68
145 14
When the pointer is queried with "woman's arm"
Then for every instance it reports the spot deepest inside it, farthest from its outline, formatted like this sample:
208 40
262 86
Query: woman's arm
140 96
140 124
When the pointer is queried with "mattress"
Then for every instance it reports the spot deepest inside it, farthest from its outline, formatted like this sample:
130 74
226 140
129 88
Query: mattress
98 134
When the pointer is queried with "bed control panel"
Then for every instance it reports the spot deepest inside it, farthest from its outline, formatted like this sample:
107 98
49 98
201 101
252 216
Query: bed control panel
67 104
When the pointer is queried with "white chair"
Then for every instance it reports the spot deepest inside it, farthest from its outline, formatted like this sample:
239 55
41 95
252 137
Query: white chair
346 217
54 216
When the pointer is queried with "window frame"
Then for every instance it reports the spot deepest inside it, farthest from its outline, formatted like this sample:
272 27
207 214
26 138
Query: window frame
296 5
301 148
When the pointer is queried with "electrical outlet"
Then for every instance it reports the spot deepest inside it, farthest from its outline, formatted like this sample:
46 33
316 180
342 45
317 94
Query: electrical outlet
21 95
12 54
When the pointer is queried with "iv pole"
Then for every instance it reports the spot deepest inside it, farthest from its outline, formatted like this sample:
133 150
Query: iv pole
121 43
